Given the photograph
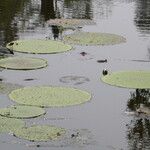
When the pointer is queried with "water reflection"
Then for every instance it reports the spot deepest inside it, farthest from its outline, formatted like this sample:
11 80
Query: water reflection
8 10
138 130
142 18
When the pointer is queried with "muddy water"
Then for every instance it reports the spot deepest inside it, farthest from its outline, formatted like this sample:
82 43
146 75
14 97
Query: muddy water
102 122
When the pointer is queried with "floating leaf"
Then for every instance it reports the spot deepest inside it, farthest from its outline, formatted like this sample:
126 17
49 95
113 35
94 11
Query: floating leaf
129 79
22 63
10 124
21 112
49 96
40 133
39 46
70 22
89 38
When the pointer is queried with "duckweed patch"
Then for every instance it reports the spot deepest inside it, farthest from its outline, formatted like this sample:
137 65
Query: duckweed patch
129 79
89 38
10 124
21 112
40 133
22 63
38 46
49 96
70 22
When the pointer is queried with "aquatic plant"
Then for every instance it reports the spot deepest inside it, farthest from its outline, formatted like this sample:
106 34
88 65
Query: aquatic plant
21 112
22 63
49 96
129 79
35 46
90 38
40 133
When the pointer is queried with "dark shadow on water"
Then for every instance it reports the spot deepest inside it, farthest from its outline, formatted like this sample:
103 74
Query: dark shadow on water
138 130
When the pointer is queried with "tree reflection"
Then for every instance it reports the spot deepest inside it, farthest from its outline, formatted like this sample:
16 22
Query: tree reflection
8 10
78 9
142 18
138 133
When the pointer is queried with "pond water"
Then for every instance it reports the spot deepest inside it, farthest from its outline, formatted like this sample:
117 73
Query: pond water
103 121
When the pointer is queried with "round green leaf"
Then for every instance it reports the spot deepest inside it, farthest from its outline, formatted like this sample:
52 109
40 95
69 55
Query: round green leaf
40 133
49 96
21 112
10 124
22 63
129 79
38 46
89 38
70 22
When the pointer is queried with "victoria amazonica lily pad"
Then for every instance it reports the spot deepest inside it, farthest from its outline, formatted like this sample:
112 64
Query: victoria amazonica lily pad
10 124
89 38
70 22
22 63
38 46
49 96
22 112
40 133
129 79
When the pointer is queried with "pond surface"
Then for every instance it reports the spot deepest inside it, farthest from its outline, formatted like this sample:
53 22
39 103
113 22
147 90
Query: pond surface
102 121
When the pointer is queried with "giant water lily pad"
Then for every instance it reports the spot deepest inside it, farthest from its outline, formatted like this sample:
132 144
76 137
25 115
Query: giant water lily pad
49 96
22 63
38 46
89 38
10 124
21 112
40 133
129 79
70 22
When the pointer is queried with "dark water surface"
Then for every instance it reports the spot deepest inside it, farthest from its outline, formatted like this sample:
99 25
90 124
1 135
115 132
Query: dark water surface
103 120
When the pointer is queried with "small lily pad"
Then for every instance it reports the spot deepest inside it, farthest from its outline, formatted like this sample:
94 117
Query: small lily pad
21 112
40 133
10 124
49 96
89 38
22 63
38 46
129 79
70 22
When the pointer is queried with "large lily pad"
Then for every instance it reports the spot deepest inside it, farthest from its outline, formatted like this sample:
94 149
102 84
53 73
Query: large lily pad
21 112
89 38
10 124
38 46
70 22
40 133
49 96
22 63
129 79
